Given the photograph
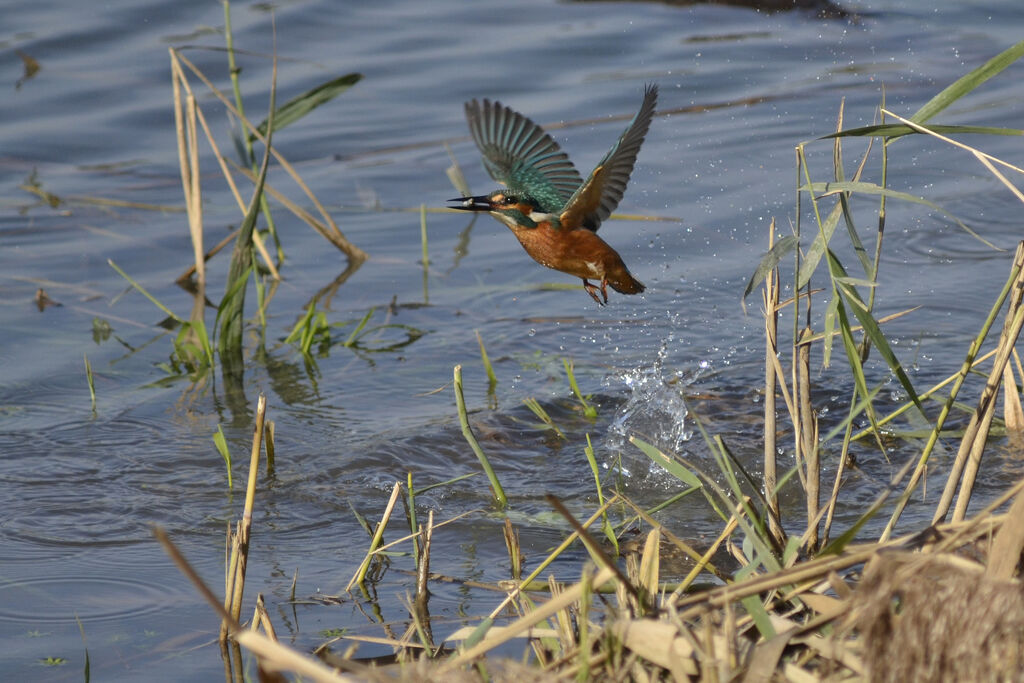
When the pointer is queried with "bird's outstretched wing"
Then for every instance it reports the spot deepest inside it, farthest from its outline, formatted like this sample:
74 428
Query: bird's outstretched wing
595 200
520 155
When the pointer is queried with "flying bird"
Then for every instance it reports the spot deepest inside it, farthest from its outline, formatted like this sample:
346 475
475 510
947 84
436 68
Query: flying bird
546 204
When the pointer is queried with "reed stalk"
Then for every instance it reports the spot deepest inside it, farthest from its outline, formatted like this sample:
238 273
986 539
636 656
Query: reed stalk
771 325
240 540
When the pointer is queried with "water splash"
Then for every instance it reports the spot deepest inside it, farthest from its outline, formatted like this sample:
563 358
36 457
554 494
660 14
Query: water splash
655 411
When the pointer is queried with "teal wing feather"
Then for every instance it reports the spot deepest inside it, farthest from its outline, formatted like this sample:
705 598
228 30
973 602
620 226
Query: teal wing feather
595 200
520 155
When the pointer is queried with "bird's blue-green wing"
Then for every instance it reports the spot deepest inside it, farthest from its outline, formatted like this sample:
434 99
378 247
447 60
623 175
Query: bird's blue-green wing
520 155
595 199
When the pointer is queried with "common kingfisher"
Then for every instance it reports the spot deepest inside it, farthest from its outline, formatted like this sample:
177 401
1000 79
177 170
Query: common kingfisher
545 203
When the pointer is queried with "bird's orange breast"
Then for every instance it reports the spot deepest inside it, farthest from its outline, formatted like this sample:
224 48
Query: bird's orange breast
577 252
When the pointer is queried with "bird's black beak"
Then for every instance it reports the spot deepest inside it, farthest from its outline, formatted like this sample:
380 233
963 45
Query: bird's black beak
481 203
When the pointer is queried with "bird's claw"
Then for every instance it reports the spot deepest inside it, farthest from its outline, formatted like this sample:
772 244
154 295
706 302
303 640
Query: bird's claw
593 289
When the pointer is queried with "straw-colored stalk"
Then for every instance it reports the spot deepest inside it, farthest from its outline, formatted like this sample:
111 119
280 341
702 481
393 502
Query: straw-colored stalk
972 355
239 541
968 457
771 323
331 233
188 156
360 576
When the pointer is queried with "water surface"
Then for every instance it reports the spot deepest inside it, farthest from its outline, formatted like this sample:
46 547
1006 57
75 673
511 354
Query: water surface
739 89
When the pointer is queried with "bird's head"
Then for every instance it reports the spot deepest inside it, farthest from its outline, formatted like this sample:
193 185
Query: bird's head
510 207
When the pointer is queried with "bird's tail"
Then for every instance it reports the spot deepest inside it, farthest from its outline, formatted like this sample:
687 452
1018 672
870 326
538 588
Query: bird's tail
622 281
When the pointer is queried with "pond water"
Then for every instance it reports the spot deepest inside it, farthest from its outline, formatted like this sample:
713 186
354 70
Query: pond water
739 89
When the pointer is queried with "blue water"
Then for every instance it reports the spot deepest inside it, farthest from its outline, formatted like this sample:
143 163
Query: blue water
739 89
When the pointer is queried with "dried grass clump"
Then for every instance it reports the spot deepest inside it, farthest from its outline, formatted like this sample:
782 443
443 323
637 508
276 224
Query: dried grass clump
939 618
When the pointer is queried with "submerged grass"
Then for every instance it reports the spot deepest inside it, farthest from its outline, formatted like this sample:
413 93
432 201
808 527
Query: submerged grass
784 599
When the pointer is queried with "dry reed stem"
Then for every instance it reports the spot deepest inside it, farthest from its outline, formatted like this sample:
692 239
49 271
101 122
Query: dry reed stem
660 643
961 376
703 560
240 542
976 433
521 585
981 436
193 197
185 165
262 619
596 551
214 250
514 548
721 651
807 438
937 617
1013 413
569 596
297 210
409 537
1004 557
650 566
770 299
421 614
925 394
335 235
188 161
360 574
986 159
272 655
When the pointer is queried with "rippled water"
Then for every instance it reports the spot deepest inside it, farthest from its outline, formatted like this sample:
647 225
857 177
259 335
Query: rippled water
739 89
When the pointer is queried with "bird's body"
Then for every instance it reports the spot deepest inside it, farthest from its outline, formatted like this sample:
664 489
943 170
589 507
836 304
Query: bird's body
552 212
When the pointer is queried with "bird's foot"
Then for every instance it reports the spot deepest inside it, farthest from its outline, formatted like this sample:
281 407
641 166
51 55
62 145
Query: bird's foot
592 290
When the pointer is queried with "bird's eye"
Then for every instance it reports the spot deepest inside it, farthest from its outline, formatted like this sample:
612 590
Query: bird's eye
509 201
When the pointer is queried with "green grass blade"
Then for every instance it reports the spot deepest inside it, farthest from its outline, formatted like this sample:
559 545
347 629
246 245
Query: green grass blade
588 410
236 290
231 309
297 107
86 673
447 482
671 466
871 188
354 337
492 380
467 433
606 524
299 330
143 292
88 379
757 612
895 130
874 333
538 410
860 407
222 447
779 251
812 257
969 82
829 330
